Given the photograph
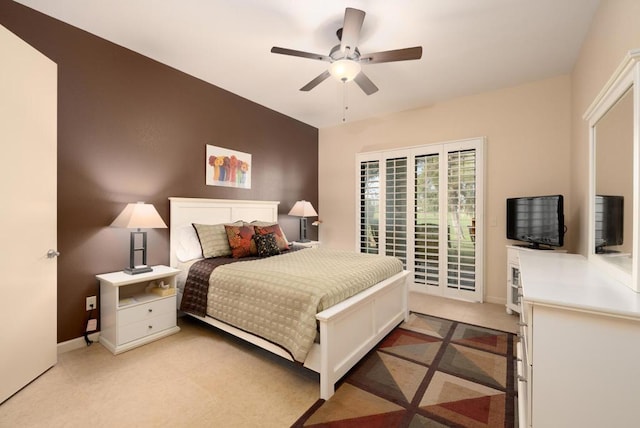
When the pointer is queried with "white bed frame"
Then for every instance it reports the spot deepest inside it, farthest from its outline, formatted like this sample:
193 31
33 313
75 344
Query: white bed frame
348 330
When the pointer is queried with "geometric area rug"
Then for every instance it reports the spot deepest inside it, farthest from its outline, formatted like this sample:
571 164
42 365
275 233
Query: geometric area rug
428 372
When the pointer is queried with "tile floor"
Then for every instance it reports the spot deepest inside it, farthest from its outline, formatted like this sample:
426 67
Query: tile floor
199 377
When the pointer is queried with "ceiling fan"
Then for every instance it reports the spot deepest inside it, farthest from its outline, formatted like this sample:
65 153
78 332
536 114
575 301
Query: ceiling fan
345 58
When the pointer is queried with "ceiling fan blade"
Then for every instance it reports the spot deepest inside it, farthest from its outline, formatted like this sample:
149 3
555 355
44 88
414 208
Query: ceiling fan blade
353 19
394 55
365 83
292 52
315 82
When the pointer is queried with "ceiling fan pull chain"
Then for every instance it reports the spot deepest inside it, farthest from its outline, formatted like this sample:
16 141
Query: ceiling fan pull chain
345 105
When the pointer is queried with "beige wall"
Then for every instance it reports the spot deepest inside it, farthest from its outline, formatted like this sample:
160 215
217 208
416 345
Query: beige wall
527 153
614 31
537 142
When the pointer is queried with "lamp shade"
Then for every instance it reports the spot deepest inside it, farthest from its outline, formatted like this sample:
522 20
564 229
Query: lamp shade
139 216
303 209
344 70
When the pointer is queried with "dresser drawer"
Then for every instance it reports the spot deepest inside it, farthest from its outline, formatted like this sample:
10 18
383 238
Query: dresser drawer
522 379
146 327
524 343
147 310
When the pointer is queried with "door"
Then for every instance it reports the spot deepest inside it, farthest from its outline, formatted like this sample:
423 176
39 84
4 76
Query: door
424 206
28 128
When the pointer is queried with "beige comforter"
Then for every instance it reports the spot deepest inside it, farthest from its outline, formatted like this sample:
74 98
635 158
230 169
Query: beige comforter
277 298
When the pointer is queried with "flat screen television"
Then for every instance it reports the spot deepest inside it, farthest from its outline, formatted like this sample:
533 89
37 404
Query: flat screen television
536 220
609 219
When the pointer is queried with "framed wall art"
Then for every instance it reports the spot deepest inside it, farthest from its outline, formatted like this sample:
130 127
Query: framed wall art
228 168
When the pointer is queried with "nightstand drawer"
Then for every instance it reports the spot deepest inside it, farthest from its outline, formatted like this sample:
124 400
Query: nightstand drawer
147 311
140 329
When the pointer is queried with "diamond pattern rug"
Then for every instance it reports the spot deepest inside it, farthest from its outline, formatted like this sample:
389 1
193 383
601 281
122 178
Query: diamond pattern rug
428 372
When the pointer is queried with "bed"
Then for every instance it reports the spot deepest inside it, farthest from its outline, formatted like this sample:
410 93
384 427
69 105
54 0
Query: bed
347 330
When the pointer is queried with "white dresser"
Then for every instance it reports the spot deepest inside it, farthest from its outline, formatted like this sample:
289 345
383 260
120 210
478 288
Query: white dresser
580 345
134 310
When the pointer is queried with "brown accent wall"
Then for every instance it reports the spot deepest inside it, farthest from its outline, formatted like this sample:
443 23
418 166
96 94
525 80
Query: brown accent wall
132 129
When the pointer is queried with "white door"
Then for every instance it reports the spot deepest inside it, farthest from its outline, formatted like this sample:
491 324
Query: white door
424 205
28 164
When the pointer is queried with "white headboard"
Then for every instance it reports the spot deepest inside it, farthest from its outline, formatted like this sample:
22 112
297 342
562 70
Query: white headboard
185 211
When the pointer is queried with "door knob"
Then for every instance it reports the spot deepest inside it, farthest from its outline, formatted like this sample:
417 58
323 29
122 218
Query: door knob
52 254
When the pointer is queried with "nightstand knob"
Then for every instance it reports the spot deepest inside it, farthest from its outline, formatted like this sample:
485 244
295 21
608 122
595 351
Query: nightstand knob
150 310
150 327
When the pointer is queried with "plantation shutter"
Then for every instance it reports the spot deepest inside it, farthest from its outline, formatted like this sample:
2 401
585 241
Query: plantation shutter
424 206
427 220
461 214
396 209
369 206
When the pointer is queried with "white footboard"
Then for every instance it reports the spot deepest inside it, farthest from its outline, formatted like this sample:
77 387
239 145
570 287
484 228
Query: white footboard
352 328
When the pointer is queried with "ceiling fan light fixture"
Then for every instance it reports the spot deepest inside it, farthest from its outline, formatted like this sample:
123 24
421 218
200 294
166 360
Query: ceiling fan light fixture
344 70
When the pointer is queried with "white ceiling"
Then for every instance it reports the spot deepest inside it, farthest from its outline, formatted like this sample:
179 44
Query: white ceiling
469 46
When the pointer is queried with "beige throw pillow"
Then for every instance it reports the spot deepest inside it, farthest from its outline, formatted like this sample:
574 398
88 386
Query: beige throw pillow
213 239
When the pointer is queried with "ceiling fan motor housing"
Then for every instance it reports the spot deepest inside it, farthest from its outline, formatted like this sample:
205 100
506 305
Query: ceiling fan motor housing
337 54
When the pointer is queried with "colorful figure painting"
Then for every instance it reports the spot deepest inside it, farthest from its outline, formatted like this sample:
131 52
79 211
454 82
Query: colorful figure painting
228 168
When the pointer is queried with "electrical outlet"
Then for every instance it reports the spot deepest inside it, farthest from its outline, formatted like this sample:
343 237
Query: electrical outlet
91 303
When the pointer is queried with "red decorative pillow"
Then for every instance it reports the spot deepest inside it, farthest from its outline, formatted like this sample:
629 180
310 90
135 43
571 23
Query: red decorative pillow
277 232
241 241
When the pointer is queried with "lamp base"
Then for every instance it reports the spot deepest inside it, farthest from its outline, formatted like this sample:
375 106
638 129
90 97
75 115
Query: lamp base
138 269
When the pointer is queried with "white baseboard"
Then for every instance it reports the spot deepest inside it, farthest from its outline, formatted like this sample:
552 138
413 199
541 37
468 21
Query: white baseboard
77 343
496 300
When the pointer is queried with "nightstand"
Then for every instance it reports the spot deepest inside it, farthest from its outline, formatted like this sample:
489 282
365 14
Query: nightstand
134 310
310 244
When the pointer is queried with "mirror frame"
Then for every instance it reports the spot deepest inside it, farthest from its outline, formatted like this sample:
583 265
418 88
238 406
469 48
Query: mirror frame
626 76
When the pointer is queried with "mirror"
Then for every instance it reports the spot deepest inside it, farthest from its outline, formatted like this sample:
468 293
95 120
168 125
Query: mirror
613 235
614 179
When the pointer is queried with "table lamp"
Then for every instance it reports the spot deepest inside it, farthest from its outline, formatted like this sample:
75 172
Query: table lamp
303 209
138 216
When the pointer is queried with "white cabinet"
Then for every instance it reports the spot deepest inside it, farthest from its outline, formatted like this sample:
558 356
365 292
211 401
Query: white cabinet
135 309
513 279
579 345
514 286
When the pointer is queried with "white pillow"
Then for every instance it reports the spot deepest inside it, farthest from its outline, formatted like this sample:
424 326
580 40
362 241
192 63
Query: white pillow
188 244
